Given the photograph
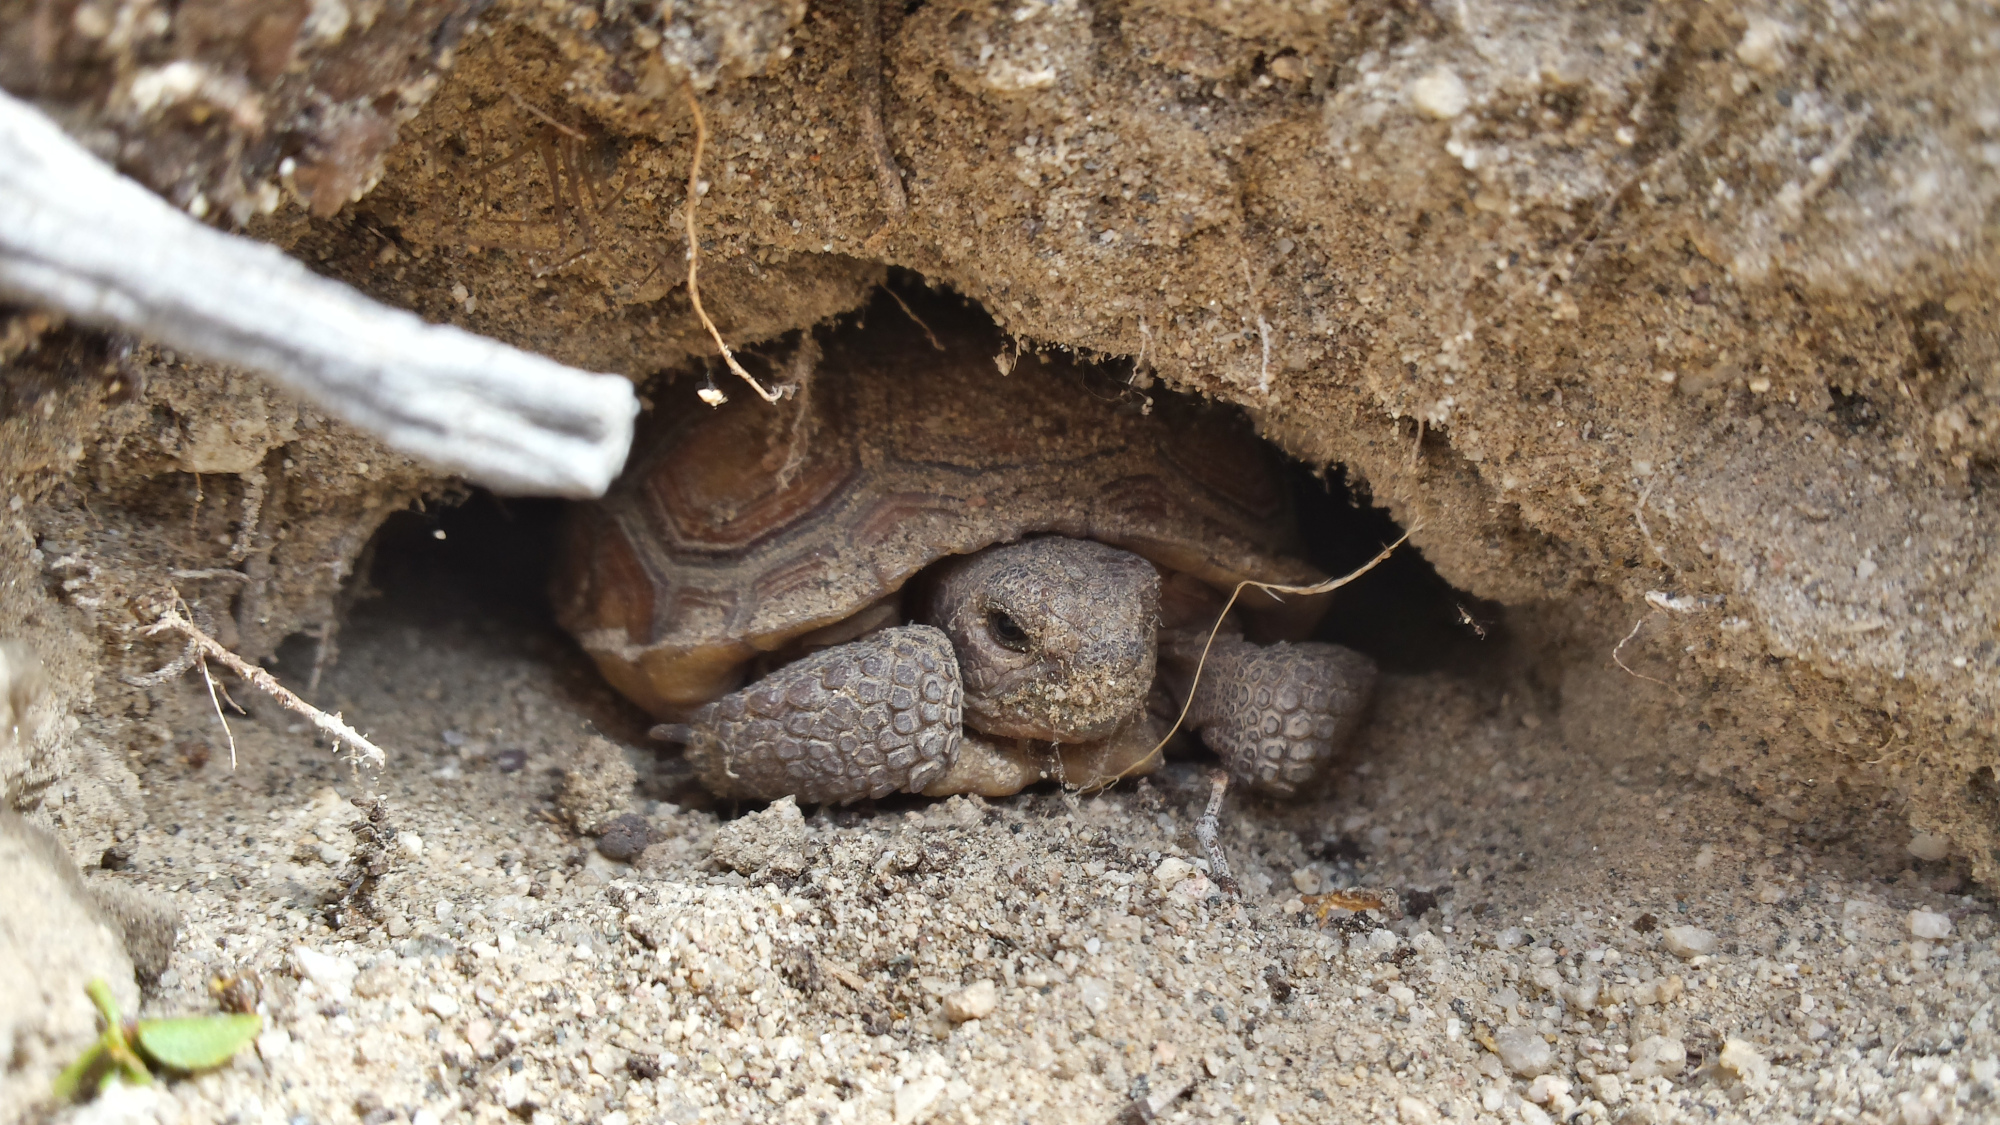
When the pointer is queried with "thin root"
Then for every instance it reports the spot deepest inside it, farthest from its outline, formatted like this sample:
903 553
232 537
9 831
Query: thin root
217 704
805 364
1274 590
1620 646
545 119
912 314
694 247
364 751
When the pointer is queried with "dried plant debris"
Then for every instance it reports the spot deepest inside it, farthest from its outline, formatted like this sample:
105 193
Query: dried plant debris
375 854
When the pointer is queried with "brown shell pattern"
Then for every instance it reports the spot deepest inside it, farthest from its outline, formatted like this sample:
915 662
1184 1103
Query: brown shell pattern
737 530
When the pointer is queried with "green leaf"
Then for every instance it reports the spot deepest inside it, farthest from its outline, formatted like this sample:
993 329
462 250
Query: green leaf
100 995
86 1073
196 1042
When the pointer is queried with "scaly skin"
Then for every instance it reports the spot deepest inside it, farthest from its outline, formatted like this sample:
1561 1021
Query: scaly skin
1054 636
863 719
1274 713
1045 650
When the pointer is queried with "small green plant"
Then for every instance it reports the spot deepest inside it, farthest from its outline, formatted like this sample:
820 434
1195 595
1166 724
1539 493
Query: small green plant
130 1049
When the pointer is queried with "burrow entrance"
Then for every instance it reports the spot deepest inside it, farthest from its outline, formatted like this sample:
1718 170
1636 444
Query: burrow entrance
483 565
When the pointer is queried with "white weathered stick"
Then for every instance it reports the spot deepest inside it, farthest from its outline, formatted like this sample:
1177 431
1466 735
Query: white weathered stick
78 237
365 751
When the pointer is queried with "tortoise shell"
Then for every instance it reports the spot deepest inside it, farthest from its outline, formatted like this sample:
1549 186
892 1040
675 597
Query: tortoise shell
736 532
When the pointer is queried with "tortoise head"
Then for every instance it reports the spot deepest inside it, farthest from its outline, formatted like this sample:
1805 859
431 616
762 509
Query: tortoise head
1054 636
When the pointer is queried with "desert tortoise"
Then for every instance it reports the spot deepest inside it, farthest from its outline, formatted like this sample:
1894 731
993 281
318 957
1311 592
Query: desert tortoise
938 578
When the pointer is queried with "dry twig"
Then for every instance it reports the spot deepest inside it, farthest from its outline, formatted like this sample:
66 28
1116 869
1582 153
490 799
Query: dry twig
76 236
173 619
694 248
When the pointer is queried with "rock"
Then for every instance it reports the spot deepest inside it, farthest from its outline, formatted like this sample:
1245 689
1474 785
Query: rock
23 685
1415 1111
443 1005
1744 1061
1547 1088
1305 880
334 975
1657 1057
1172 870
1095 994
625 837
1763 45
975 1001
1440 94
53 941
916 1097
379 980
1929 925
1687 942
1608 1089
148 924
1928 847
1523 1052
773 837
597 785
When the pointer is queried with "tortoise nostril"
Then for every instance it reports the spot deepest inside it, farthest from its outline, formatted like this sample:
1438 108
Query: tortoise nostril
1006 630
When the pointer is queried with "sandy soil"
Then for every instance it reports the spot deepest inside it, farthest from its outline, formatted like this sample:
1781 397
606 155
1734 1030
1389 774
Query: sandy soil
1595 938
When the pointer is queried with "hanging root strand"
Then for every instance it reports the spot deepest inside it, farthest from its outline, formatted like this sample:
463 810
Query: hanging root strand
694 247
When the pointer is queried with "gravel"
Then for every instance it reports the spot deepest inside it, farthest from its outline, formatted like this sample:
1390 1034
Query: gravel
1688 942
1051 957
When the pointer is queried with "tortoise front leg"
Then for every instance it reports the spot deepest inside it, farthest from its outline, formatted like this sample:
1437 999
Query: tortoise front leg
1002 767
862 719
1274 713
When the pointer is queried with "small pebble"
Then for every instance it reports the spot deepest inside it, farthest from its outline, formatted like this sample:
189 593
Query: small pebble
1657 1057
1524 1052
1172 870
1687 942
511 761
1744 1060
333 974
1306 881
1415 1111
916 1096
377 981
1609 1090
442 1005
973 1002
1929 925
625 837
1547 1088
1929 847
1439 94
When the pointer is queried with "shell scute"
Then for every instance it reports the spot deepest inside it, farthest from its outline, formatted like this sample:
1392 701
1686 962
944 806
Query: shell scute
740 531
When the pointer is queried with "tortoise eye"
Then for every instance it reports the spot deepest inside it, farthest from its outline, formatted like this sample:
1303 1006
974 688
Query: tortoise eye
1006 631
